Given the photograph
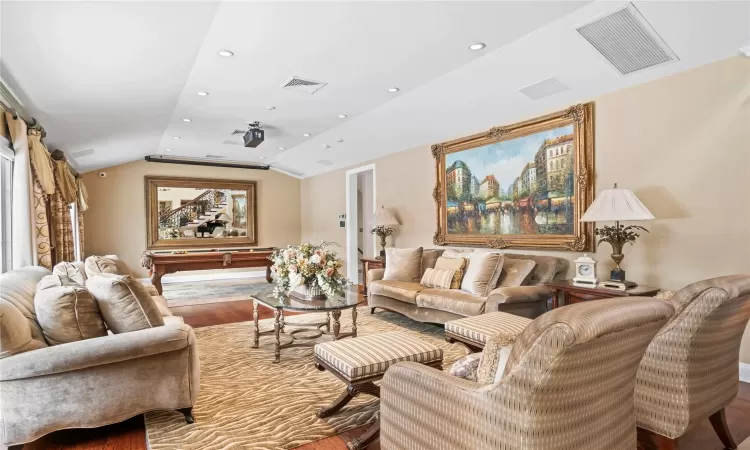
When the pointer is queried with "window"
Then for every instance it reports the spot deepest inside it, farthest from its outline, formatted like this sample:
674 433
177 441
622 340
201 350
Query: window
6 196
73 210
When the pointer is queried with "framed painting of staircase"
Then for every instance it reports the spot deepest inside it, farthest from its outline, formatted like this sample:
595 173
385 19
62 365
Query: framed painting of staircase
190 213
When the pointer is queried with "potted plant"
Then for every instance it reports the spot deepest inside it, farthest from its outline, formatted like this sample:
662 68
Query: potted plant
308 272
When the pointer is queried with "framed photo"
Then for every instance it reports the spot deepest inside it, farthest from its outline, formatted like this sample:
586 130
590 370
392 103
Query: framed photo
524 185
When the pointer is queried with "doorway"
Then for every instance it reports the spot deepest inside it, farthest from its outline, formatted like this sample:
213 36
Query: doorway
360 209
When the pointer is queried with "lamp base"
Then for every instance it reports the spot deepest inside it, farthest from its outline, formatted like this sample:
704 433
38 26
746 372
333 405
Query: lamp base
618 285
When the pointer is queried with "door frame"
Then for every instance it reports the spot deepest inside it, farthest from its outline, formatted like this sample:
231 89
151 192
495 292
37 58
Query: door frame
352 225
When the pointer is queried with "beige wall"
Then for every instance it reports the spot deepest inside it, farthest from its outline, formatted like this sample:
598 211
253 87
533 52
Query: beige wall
116 220
682 144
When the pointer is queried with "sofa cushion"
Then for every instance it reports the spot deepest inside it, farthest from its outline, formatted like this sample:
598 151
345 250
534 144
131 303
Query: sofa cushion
437 278
15 333
95 265
451 300
456 264
50 281
482 274
75 270
403 264
547 267
18 287
515 272
429 258
67 313
404 291
161 303
124 302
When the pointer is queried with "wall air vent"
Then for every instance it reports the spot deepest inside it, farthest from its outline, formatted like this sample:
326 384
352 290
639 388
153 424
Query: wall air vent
303 85
82 153
627 40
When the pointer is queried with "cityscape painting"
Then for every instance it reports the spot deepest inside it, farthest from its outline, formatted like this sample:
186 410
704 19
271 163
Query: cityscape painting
518 186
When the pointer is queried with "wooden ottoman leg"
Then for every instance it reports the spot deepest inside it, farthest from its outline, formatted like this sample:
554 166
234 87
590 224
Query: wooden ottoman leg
367 438
340 402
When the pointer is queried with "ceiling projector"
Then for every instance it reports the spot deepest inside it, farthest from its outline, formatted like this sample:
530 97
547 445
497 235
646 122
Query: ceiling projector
254 136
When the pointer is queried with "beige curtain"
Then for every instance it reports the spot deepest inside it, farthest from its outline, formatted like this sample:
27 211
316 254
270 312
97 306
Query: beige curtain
24 218
80 230
66 182
41 163
83 196
63 228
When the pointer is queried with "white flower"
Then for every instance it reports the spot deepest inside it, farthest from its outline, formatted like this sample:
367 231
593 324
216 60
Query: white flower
315 259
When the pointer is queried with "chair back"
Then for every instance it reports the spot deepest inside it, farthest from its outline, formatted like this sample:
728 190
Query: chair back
572 372
691 368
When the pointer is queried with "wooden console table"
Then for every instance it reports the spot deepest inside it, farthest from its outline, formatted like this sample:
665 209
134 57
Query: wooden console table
369 263
566 293
163 262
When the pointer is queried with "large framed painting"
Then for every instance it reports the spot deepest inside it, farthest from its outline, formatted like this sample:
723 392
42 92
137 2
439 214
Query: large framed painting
239 209
524 185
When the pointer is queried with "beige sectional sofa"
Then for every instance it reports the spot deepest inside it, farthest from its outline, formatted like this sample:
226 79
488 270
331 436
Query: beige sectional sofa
90 382
442 305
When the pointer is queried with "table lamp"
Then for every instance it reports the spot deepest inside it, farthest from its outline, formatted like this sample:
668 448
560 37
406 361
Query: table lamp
615 205
384 222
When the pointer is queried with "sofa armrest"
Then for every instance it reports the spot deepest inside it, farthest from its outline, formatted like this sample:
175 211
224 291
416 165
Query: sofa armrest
517 294
375 275
96 352
427 408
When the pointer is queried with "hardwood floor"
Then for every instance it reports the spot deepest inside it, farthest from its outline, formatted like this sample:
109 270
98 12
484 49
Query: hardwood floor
131 435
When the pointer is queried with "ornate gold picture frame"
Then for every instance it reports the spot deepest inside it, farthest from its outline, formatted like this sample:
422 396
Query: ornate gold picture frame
524 185
202 213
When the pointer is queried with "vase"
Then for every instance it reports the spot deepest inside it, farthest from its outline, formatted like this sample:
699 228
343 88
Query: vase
308 292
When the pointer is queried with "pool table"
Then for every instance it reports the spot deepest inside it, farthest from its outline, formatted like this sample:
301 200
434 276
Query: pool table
162 262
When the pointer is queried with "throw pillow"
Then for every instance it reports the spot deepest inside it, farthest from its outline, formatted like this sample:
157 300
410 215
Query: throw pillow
429 258
75 270
124 302
466 367
95 265
67 313
15 332
495 356
515 272
50 281
455 264
438 278
403 264
482 274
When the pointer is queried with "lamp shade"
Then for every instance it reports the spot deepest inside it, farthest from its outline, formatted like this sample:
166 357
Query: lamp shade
384 218
616 204
224 217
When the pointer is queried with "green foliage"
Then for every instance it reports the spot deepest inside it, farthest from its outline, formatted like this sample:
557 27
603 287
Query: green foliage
619 234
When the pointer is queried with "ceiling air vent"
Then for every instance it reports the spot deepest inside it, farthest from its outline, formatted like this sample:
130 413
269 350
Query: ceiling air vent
82 153
627 40
544 88
303 85
324 162
214 156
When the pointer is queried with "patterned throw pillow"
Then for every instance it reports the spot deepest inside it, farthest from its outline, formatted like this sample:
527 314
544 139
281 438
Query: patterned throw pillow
455 264
437 278
494 357
466 367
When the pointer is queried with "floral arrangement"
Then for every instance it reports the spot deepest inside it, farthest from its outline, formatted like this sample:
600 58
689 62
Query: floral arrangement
619 235
308 265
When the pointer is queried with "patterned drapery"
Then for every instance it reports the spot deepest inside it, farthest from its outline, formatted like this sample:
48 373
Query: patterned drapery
41 162
63 228
41 228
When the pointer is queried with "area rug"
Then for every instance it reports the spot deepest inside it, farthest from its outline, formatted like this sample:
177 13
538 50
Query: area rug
215 291
247 402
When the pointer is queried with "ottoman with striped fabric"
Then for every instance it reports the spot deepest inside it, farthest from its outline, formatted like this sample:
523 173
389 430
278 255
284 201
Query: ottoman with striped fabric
361 360
474 331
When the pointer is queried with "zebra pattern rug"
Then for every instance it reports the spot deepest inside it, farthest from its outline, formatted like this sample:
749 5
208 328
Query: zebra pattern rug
247 402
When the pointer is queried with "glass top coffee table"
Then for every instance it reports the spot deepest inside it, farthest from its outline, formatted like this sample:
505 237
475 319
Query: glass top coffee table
306 333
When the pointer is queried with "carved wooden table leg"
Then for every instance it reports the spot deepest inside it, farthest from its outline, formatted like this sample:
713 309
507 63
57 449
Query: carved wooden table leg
336 325
354 322
328 322
282 320
256 330
277 340
156 274
268 274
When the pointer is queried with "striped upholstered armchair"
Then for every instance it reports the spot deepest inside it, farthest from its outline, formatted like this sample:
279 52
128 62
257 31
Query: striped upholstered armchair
568 384
690 371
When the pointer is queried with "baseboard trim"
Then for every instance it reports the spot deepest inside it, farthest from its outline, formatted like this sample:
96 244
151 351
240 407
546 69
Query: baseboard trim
208 277
745 372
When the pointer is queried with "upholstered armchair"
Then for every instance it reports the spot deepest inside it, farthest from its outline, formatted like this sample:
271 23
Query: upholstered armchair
567 384
690 371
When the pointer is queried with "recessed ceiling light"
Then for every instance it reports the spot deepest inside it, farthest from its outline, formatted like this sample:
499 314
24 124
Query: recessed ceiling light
393 89
282 148
225 53
187 120
202 93
342 116
176 137
306 134
477 46
168 149
339 140
270 107
262 157
325 146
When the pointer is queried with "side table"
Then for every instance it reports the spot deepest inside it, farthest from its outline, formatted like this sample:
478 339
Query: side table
369 263
564 292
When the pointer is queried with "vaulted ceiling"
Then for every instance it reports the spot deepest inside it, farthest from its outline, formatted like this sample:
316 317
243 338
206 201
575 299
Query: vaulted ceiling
120 77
